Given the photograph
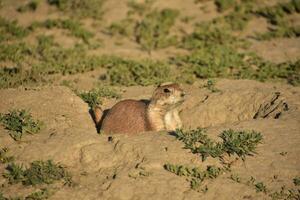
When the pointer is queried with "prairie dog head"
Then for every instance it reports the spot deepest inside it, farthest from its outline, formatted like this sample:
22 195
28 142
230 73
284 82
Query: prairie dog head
169 95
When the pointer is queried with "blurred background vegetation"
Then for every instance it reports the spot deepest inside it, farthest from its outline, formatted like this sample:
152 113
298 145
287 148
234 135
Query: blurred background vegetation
84 43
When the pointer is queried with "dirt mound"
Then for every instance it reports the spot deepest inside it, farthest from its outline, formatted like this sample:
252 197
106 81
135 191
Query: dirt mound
246 101
123 167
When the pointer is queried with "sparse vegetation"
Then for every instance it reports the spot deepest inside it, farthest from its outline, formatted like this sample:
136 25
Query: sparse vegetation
235 177
284 193
260 187
20 122
210 85
241 143
147 72
39 172
194 175
30 6
296 181
5 158
73 26
279 32
39 195
94 96
224 4
275 14
11 30
80 8
152 31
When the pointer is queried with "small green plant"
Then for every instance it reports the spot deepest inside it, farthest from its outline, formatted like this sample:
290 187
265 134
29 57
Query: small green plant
283 153
11 30
94 96
16 173
236 178
30 6
39 172
241 143
20 122
260 187
296 181
140 8
73 26
3 157
152 32
209 34
129 72
15 52
42 194
284 193
194 175
275 14
210 85
224 4
279 32
80 8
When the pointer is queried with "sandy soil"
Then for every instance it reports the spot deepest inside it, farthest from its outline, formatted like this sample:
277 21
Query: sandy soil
111 169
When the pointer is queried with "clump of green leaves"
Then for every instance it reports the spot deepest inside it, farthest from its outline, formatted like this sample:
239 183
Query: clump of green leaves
276 16
241 143
140 8
222 61
94 96
129 72
214 61
80 8
30 6
296 181
152 31
279 32
284 193
16 76
53 59
276 13
224 4
39 172
194 175
20 122
260 187
3 157
73 26
11 30
42 194
235 177
211 85
15 52
198 142
208 34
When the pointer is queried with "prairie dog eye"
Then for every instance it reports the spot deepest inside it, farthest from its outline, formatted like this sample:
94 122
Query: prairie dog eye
166 90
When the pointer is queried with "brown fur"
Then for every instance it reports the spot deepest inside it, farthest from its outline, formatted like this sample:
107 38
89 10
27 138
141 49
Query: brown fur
132 116
127 116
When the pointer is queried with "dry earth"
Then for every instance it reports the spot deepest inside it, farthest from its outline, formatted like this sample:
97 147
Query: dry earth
106 169
132 167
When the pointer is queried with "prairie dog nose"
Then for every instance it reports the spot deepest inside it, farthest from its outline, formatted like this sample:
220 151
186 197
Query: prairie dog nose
182 94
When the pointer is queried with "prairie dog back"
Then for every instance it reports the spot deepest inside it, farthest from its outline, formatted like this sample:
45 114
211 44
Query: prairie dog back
127 116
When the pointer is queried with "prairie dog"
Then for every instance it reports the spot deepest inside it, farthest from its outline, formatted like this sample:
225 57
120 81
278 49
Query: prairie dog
133 116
